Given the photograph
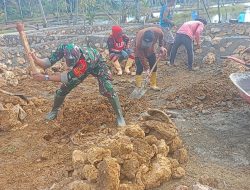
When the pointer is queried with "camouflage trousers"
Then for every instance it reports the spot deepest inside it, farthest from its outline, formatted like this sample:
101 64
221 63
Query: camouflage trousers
103 74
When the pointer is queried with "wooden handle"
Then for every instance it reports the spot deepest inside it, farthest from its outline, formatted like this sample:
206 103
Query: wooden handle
20 29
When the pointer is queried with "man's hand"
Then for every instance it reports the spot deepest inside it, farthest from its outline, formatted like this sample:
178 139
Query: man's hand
38 76
163 52
33 55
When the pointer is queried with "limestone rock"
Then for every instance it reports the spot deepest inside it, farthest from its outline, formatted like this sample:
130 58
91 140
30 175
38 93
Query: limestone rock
109 174
126 186
201 187
97 154
175 144
80 185
181 187
79 156
158 115
174 163
160 130
240 30
130 167
229 44
3 82
159 172
216 40
119 146
2 56
162 148
215 30
210 58
1 107
9 119
181 155
239 49
151 139
20 113
134 131
20 60
38 101
222 49
178 173
90 172
209 181
10 78
143 149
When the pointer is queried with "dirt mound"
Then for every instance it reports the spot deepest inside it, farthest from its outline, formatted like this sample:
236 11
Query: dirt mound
140 156
215 90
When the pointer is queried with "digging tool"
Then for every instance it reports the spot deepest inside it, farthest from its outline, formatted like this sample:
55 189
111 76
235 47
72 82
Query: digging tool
240 61
139 92
20 29
12 94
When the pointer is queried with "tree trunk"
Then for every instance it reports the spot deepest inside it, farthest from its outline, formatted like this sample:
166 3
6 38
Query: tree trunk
20 9
43 15
57 11
31 13
137 16
219 21
5 11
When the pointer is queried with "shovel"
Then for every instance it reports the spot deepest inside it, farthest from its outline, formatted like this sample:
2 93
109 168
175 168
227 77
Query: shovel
236 60
139 92
12 94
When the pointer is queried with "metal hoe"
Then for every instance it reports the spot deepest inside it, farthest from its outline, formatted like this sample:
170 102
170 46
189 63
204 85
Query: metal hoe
139 92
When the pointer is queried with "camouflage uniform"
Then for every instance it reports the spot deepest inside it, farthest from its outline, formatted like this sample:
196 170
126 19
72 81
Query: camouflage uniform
81 63
94 64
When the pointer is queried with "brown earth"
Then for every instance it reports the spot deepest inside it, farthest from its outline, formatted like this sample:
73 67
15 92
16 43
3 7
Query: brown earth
211 117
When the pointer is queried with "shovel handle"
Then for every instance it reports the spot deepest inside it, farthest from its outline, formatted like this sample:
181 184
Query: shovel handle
22 34
149 74
235 59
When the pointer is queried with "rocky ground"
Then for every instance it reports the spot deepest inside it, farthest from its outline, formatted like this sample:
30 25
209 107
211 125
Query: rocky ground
208 115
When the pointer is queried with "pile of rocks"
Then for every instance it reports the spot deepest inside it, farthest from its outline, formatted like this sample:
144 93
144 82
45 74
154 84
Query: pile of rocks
140 156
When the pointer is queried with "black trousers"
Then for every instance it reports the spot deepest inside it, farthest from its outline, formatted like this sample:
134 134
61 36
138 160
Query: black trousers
182 39
151 60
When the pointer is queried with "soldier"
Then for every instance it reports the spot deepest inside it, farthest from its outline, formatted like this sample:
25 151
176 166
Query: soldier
81 62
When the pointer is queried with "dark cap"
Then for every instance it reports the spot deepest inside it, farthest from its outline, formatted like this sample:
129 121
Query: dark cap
148 36
147 40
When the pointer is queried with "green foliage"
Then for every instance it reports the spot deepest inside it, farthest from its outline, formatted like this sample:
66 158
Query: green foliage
89 9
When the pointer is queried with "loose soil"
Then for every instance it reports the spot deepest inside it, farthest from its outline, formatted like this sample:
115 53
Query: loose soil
211 117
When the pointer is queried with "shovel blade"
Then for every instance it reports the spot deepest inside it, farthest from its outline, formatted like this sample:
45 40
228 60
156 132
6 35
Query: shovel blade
138 93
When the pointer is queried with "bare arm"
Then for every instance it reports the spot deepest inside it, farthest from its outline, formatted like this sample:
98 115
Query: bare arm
43 63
